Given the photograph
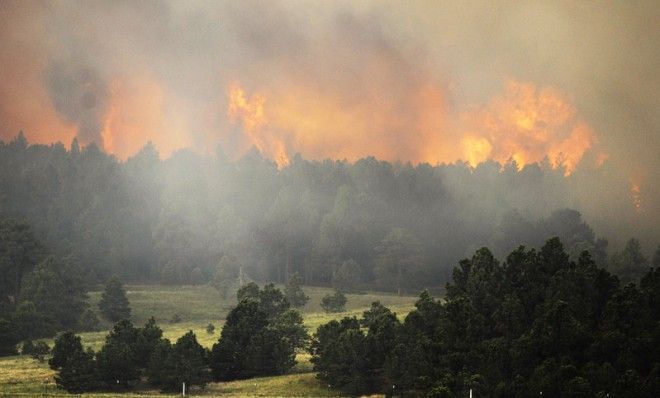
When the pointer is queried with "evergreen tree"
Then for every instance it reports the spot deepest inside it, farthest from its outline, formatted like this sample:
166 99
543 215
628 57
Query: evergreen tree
8 338
78 374
57 291
20 252
88 321
294 292
66 345
160 370
398 262
248 291
259 338
29 323
537 322
339 356
630 264
185 361
149 336
119 360
227 275
334 302
114 304
346 278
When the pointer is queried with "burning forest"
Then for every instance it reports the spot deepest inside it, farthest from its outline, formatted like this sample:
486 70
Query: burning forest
359 147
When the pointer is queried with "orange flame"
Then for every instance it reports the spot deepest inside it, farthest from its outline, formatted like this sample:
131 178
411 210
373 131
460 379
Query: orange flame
249 112
527 124
524 124
636 196
137 113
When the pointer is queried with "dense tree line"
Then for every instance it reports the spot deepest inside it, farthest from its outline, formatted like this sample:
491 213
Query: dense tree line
260 337
40 293
536 323
128 355
194 218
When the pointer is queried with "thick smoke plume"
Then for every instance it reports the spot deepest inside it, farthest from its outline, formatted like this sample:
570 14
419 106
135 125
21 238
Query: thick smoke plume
571 84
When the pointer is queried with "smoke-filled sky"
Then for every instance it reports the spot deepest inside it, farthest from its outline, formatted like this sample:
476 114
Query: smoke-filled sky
576 82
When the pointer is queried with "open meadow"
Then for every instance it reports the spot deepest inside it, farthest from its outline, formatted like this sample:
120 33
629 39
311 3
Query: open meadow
196 306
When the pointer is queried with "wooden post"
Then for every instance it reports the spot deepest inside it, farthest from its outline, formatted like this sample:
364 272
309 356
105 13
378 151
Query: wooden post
183 391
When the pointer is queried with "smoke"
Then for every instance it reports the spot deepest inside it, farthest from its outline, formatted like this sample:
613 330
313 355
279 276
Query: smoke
80 95
425 82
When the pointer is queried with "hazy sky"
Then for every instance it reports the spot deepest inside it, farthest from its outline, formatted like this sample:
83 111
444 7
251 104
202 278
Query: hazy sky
418 81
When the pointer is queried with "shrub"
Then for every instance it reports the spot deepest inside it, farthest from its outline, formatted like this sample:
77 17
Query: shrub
210 328
334 302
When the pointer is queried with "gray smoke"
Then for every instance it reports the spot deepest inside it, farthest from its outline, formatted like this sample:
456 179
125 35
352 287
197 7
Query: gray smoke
79 94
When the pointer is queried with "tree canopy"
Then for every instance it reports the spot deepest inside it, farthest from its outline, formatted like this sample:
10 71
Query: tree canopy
537 322
260 337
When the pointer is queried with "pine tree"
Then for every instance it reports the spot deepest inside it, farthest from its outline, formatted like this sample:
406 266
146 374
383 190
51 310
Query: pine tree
114 305
89 322
8 338
294 292
334 302
120 359
259 338
79 373
183 362
66 345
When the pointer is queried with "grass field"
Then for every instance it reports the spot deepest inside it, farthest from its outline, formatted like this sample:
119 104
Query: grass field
197 306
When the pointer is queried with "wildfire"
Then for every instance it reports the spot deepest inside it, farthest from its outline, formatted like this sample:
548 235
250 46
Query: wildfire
138 113
636 196
249 112
527 124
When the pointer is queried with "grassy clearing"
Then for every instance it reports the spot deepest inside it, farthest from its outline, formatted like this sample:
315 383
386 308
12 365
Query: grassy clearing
293 385
197 306
191 303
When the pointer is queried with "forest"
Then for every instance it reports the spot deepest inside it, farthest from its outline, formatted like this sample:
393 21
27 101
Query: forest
321 199
566 316
381 225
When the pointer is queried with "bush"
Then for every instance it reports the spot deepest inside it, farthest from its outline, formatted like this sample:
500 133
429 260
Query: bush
27 347
334 302
210 328
37 351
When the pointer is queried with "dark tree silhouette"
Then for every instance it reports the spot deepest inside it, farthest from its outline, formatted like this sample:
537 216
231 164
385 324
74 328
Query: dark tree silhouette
114 304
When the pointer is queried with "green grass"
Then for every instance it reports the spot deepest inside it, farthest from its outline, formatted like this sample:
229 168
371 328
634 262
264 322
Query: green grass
197 306
191 303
